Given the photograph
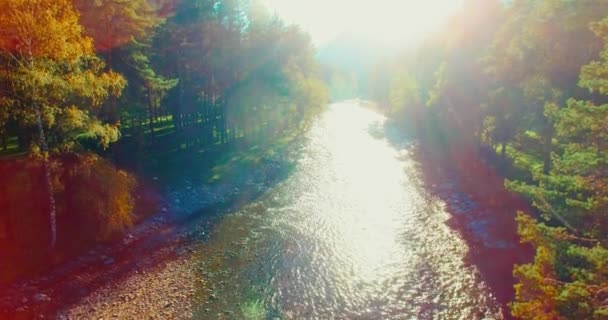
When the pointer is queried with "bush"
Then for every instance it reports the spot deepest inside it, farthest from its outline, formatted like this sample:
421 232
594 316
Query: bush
94 202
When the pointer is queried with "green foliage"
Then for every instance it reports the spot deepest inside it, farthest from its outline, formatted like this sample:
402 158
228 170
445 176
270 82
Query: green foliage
440 83
403 94
518 78
53 74
157 76
574 193
568 278
342 84
68 97
226 60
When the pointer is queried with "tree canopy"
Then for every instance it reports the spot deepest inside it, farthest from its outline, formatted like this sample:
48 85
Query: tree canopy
86 83
526 80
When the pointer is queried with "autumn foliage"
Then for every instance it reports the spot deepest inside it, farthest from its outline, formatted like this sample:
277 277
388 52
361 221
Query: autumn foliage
42 29
95 202
83 82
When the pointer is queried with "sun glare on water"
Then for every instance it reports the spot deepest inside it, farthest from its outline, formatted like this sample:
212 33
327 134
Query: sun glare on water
381 21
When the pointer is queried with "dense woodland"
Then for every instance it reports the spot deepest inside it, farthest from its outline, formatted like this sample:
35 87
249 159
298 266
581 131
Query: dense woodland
82 80
527 81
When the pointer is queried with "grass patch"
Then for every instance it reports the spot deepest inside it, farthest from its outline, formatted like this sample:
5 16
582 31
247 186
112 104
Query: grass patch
12 148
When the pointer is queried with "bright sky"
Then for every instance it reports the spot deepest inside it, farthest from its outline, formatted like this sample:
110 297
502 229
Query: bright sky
384 21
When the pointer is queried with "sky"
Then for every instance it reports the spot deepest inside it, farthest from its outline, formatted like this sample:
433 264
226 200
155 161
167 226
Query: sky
382 21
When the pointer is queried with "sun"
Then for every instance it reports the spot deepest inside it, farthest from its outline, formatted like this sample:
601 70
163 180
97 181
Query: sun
382 21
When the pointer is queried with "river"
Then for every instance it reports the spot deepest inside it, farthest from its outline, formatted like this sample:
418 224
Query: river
352 233
366 225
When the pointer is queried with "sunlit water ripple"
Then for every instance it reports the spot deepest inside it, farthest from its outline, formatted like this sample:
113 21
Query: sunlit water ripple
351 234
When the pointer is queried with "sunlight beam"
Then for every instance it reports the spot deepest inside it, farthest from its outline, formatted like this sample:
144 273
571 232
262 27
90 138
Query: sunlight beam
381 21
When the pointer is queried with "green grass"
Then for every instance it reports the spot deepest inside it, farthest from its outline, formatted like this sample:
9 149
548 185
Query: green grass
12 150
169 157
250 156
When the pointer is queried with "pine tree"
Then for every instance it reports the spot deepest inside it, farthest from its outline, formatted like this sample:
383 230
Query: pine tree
571 261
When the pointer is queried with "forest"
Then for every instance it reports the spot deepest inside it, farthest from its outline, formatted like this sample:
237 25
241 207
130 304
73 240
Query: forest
88 84
97 95
524 83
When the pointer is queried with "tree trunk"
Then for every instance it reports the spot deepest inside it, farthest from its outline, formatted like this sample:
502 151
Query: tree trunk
22 139
113 117
49 181
151 112
480 134
548 148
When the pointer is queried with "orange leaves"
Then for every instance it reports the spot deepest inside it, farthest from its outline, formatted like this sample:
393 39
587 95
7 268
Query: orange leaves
94 199
42 29
114 23
55 29
52 65
99 195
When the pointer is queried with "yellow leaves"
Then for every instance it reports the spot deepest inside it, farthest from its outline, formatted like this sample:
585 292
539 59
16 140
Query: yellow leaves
94 199
110 191
526 228
114 82
537 292
105 133
52 65
42 29
97 87
600 29
594 76
74 118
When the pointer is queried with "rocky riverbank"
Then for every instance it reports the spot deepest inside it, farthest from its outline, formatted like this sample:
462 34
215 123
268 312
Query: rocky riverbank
147 273
164 292
164 269
481 209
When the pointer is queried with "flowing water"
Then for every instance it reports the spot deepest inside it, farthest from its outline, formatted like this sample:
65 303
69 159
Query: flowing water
350 234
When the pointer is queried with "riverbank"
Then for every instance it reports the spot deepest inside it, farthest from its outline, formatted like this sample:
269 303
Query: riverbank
437 240
163 292
481 209
188 209
174 289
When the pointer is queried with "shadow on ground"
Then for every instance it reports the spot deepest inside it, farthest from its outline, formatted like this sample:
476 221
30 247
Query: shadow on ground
481 210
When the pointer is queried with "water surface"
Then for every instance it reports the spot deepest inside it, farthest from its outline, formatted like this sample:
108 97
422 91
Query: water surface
350 234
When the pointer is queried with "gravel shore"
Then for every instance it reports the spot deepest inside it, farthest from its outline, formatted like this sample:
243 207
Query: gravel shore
166 292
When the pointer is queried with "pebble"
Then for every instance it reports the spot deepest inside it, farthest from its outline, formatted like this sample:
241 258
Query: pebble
151 298
41 297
